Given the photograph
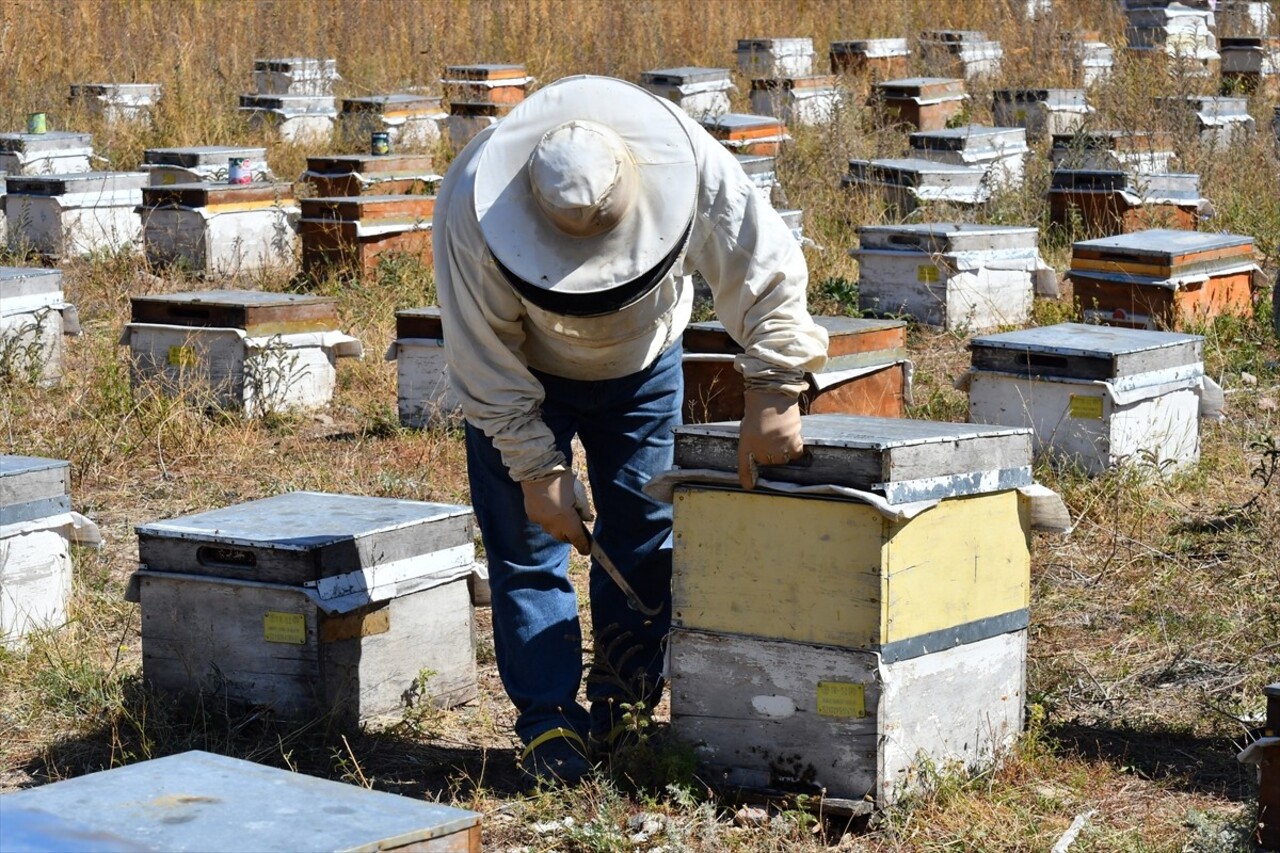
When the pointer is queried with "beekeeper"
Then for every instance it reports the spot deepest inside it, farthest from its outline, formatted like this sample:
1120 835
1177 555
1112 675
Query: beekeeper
565 238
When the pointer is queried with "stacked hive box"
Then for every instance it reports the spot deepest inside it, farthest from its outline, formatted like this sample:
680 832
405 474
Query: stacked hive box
924 103
1178 35
1108 201
1161 279
825 643
219 229
348 235
870 60
344 175
745 133
1043 112
117 102
239 350
782 80
867 371
700 92
214 797
1001 152
953 276
1135 152
409 120
479 95
202 163
34 316
311 604
1220 122
1096 397
73 214
960 53
36 528
52 153
425 397
1250 64
294 98
908 184
1090 60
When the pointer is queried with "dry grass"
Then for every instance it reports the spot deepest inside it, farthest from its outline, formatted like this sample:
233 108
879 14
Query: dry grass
1154 623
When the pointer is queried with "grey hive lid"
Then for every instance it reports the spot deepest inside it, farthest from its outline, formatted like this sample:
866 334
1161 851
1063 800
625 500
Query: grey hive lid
1054 97
76 182
54 140
17 282
683 75
740 121
922 87
973 138
234 298
33 487
936 237
1081 351
1163 244
917 172
201 155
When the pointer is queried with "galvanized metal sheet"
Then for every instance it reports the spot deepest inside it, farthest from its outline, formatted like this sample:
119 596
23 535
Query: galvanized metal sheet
861 432
397 101
972 138
948 237
17 466
685 74
54 140
302 521
32 510
1086 340
197 801
18 282
1164 243
740 121
76 182
201 155
1048 97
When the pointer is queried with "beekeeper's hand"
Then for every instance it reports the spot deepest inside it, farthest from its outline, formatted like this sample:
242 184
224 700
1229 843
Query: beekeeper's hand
769 435
559 505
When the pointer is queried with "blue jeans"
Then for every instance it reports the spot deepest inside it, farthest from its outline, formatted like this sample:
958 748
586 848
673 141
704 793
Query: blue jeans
626 428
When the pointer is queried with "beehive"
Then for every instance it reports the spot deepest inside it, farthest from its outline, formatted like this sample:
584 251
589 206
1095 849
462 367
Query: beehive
295 76
796 100
410 120
867 371
957 276
301 119
960 53
925 103
1173 32
52 153
1001 152
813 632
239 349
1162 279
1043 112
34 315
700 92
117 102
349 235
37 526
425 397
759 58
1138 152
872 59
484 89
1106 202
76 214
1220 122
342 175
1241 17
1091 60
310 603
165 803
219 229
911 183
1250 64
200 163
1096 396
745 133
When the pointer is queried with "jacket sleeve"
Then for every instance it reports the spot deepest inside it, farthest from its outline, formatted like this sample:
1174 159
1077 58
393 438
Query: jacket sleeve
756 271
484 330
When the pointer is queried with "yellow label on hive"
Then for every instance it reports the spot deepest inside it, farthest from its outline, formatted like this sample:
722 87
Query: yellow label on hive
926 273
1083 406
280 627
182 356
841 699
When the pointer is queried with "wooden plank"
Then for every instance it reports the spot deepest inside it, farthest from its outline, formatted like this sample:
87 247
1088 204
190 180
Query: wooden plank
370 208
206 194
1169 309
370 164
879 394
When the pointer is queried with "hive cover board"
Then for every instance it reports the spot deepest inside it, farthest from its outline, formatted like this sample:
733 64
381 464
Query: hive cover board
19 282
1162 253
942 237
204 194
1081 351
922 87
905 460
256 312
201 155
846 336
77 182
31 143
32 487
684 75
301 536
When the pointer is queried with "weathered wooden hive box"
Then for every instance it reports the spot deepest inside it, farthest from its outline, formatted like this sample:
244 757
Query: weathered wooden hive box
56 152
1163 279
301 119
1043 112
73 214
867 371
34 316
775 57
201 163
311 604
220 229
1107 202
700 92
957 276
117 102
1000 151
1137 152
960 53
870 60
35 556
1220 122
296 75
925 103
409 120
479 95
342 175
1096 396
425 397
824 642
239 349
747 133
215 802
349 235
1250 64
807 100
908 184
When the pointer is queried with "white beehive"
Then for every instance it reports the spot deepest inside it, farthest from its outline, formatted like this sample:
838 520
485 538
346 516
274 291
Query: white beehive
956 276
964 53
1136 152
1001 152
239 350
295 76
762 169
75 214
1244 17
699 92
117 102
1176 31
202 163
55 152
303 119
775 57
425 397
1095 396
1043 112
800 100
1092 61
34 316
409 120
906 184
1220 121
